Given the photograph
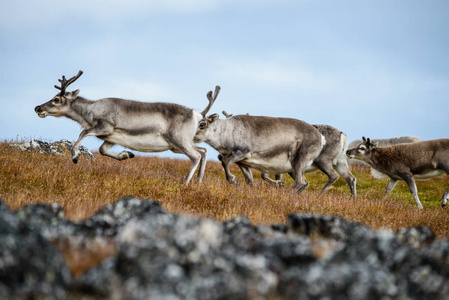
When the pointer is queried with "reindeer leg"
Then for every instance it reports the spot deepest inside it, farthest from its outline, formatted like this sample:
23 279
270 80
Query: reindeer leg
225 161
247 173
412 187
203 153
277 180
121 156
445 198
187 147
299 166
101 129
236 156
195 158
390 185
343 168
327 168
445 168
306 153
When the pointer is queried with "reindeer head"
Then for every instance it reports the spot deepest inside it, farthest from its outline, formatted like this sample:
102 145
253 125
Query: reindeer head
203 125
60 103
363 151
206 121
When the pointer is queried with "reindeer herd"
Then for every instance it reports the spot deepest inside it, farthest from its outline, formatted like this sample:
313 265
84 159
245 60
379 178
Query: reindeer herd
267 144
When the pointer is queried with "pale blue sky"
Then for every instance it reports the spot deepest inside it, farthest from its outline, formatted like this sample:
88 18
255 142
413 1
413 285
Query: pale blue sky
374 68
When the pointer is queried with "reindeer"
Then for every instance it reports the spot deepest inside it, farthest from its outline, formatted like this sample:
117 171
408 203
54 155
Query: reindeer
382 143
140 126
331 161
420 161
267 144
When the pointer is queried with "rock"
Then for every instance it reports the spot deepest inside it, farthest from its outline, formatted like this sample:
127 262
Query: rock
415 237
56 148
324 226
30 267
158 255
108 220
47 219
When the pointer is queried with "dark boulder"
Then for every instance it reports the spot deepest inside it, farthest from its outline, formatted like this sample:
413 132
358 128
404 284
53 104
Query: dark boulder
30 267
159 255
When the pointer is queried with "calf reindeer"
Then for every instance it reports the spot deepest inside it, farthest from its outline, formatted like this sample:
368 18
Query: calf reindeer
267 144
331 160
140 126
420 161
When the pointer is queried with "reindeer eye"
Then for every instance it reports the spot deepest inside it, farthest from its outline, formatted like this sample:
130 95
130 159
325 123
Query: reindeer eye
56 100
202 125
362 148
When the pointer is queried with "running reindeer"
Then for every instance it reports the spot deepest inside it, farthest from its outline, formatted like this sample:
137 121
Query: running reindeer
331 160
270 145
140 126
408 162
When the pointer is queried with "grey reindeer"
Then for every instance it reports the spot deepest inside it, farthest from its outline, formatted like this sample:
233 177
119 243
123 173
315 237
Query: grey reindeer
268 144
420 161
140 126
331 161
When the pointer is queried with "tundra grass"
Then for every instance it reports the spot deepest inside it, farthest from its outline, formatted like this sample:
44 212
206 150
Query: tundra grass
84 188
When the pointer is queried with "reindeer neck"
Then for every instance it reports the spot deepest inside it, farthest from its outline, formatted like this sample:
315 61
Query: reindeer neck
381 158
211 137
79 111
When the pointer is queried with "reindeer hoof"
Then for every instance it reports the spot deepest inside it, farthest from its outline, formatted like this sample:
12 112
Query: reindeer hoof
75 160
443 204
125 155
233 180
280 184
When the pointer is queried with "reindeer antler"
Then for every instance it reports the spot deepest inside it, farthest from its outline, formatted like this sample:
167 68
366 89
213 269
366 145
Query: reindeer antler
211 99
226 114
65 83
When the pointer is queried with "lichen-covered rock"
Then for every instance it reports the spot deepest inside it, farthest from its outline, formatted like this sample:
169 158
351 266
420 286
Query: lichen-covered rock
108 220
324 226
415 237
165 256
30 267
47 219
56 148
159 255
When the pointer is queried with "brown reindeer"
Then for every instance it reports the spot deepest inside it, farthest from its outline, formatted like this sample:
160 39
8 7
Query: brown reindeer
420 161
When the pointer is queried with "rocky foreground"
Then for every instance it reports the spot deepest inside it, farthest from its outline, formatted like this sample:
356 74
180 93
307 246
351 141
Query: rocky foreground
154 254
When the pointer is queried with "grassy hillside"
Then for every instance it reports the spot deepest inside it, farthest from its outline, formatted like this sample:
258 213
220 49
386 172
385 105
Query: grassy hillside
82 189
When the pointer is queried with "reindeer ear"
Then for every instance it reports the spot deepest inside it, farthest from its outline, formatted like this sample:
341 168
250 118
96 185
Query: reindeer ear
363 138
212 118
74 94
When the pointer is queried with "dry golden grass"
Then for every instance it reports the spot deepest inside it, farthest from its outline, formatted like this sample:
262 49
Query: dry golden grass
82 189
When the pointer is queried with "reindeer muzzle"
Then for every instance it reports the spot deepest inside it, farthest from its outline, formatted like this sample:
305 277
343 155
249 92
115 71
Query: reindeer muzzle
39 111
348 153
